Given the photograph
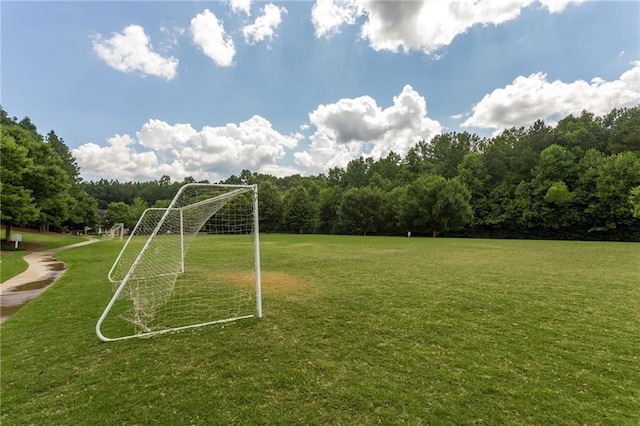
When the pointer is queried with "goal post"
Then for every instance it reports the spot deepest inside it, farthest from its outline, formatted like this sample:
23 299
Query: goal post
116 230
194 263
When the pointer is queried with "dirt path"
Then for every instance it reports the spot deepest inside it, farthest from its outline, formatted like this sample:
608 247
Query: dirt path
42 271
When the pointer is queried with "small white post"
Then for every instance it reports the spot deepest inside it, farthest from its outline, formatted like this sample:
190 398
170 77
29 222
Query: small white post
17 238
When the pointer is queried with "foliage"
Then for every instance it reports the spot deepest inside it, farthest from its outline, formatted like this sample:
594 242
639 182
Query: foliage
300 211
568 181
40 180
17 202
360 210
435 204
269 207
634 201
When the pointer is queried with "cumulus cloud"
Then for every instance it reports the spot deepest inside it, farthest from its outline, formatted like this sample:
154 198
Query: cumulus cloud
329 15
528 99
350 128
208 34
418 25
179 150
264 26
131 51
238 6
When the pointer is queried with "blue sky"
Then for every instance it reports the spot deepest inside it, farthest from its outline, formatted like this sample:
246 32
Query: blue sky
138 90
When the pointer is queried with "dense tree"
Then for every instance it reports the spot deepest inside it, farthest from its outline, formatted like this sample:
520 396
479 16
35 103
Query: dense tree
634 201
623 127
118 212
356 174
577 179
135 211
18 206
435 204
617 176
447 150
69 164
269 206
388 168
328 204
45 180
84 212
299 211
360 210
544 200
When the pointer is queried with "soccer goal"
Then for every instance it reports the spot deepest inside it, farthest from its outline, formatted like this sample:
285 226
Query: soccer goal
194 263
117 230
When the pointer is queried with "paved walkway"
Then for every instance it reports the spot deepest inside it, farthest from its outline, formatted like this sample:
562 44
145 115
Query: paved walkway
42 266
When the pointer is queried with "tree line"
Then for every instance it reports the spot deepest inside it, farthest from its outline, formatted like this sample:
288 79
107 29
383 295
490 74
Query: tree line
579 179
40 184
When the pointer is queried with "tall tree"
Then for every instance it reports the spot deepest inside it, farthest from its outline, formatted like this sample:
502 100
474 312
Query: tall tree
328 204
356 175
617 176
17 202
270 206
47 181
623 127
69 164
299 214
447 150
360 210
436 204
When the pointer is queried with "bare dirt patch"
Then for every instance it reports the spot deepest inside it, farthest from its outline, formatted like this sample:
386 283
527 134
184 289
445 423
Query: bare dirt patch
271 281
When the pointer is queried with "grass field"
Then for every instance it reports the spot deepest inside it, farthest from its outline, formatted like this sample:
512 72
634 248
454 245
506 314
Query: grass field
12 263
357 330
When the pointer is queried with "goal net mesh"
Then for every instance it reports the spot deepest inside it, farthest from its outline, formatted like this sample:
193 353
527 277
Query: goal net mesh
190 264
116 230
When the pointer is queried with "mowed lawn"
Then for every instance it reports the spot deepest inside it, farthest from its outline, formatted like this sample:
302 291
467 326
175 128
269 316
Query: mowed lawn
12 262
357 330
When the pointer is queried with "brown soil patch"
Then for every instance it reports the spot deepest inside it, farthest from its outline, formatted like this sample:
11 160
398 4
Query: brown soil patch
271 281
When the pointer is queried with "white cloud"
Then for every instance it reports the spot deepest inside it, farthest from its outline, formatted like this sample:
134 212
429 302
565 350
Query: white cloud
208 33
238 6
418 25
118 160
555 6
279 171
179 151
265 25
531 98
329 15
132 51
350 128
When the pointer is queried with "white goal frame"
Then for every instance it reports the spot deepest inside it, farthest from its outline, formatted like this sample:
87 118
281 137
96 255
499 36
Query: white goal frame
165 212
116 229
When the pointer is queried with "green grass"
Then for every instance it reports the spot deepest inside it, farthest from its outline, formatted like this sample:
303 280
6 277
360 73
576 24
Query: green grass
357 330
12 263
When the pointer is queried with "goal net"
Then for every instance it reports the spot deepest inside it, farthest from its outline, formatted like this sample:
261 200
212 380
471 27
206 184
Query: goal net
117 230
194 263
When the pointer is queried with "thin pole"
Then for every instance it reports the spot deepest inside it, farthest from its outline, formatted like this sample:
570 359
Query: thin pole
256 246
181 241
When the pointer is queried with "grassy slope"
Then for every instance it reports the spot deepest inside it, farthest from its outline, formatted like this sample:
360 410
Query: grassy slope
12 263
356 330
